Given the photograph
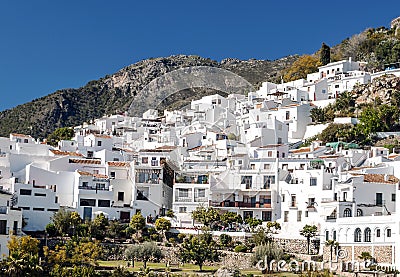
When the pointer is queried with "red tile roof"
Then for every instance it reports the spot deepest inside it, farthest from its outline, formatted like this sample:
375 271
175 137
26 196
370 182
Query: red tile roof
99 176
380 178
21 135
65 153
119 164
84 161
303 150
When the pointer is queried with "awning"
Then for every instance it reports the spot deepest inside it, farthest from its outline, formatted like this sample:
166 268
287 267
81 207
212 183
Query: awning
327 211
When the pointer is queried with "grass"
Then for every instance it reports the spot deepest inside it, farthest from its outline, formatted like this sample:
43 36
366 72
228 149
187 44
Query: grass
187 268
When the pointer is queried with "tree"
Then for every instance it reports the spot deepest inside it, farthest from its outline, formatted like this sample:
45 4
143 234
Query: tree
23 259
199 249
318 115
143 252
163 225
64 221
80 253
65 133
306 64
265 235
309 231
170 213
207 216
98 227
225 240
253 222
331 244
138 223
337 131
229 218
325 54
265 253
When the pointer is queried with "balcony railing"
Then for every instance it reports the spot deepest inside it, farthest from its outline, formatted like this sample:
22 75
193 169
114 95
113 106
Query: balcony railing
240 204
93 188
200 199
183 199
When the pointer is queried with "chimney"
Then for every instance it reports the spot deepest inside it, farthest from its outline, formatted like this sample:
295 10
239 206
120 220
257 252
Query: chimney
386 177
349 59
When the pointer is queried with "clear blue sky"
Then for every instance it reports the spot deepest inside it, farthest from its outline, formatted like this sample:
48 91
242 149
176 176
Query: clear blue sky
50 45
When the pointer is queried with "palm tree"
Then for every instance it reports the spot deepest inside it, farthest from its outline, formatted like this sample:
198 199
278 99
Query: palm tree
309 231
332 244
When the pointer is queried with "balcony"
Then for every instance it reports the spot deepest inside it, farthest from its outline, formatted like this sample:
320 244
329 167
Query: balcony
184 179
240 204
183 199
200 199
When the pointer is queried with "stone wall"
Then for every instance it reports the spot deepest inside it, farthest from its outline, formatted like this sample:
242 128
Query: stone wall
382 254
296 246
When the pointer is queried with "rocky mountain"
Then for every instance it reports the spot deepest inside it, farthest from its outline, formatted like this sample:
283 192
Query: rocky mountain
384 89
115 93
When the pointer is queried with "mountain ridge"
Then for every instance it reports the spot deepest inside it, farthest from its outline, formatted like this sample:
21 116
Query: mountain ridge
113 93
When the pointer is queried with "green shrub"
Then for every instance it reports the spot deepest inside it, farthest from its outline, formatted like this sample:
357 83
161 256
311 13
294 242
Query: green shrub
241 248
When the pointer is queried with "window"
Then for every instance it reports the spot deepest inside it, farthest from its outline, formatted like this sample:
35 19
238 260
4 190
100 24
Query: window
38 209
154 161
286 216
345 196
25 140
90 154
3 227
388 233
359 212
379 199
247 180
298 216
306 214
103 203
87 202
269 154
268 180
145 160
393 197
120 196
326 235
85 184
293 200
201 192
313 181
367 235
183 192
378 233
287 117
25 192
267 166
99 143
357 235
334 235
283 198
347 212
182 209
266 216
40 194
112 174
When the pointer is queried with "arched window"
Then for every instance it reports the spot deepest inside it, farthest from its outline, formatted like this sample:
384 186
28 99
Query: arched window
359 212
357 235
367 235
347 212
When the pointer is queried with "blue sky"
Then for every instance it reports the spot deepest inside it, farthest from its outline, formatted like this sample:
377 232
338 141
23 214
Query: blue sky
50 45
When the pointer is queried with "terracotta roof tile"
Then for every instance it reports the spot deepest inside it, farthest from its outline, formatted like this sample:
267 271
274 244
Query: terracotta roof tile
102 136
85 173
65 153
303 150
380 178
119 164
21 135
84 161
